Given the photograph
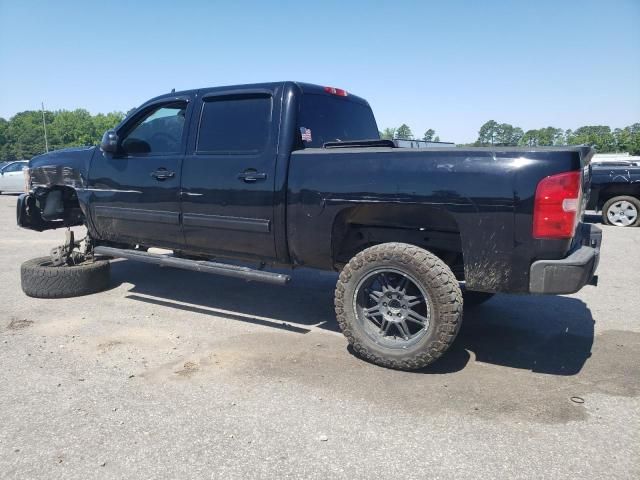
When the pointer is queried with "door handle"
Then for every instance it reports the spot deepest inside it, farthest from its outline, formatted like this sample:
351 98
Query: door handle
162 174
251 175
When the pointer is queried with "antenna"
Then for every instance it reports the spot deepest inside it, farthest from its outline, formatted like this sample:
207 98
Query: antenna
44 125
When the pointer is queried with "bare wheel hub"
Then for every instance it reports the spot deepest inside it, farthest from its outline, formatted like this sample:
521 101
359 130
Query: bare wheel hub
66 255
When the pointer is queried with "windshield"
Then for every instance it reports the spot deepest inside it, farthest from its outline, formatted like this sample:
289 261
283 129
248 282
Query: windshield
326 118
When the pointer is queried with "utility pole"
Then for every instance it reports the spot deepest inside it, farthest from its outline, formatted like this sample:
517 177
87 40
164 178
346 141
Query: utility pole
44 125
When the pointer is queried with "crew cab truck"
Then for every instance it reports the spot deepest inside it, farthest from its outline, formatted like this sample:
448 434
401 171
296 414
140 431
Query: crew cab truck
295 174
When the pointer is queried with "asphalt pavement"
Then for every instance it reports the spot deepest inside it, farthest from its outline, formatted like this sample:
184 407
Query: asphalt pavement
182 375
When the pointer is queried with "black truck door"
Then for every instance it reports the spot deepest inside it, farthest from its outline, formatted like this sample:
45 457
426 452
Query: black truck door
228 175
135 192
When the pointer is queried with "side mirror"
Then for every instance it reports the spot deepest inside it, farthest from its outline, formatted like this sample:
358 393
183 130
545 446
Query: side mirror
109 142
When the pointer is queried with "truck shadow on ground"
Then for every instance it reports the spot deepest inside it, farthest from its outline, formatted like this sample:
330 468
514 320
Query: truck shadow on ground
544 334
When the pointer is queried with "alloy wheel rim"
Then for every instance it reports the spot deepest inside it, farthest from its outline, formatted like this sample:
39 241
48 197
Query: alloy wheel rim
392 308
622 213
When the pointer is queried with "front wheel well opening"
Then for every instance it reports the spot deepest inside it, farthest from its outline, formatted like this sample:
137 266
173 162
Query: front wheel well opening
56 206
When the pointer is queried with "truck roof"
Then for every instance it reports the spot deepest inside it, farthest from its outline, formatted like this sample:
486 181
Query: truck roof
304 87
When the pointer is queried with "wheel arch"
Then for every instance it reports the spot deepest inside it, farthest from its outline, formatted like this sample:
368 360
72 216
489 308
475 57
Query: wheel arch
51 207
431 227
618 190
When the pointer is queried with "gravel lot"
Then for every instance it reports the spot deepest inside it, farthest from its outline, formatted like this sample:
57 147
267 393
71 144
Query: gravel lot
175 374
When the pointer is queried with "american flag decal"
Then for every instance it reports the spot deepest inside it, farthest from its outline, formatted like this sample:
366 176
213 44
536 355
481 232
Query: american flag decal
306 134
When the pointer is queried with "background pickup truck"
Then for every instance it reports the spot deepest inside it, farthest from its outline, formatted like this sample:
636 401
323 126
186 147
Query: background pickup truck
295 174
615 190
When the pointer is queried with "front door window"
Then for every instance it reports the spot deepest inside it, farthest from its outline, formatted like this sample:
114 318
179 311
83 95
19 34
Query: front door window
159 132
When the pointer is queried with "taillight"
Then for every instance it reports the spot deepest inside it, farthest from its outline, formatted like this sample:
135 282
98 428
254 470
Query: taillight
336 91
556 206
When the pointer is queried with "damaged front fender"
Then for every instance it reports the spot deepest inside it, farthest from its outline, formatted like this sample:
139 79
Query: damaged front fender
61 168
31 211
54 180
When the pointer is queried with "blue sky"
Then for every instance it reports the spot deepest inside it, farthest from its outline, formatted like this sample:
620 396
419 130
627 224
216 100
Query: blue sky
447 65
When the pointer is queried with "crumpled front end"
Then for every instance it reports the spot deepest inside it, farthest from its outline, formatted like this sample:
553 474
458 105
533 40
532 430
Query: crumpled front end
53 182
46 209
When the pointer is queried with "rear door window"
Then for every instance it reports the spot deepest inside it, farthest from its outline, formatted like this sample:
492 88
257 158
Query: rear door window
327 118
238 124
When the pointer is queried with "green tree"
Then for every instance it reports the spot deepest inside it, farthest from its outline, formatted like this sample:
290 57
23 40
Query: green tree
404 132
388 134
22 136
550 136
499 134
543 137
567 134
558 136
531 138
428 135
628 139
619 137
488 132
102 122
71 128
598 136
3 136
507 135
25 135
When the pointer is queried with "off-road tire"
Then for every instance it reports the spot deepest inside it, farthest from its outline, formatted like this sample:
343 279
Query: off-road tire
472 299
633 200
443 293
40 279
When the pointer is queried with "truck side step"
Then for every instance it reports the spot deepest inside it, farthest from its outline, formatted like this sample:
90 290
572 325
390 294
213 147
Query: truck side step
205 266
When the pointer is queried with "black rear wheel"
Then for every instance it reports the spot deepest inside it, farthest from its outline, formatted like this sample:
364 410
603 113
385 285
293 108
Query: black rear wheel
398 305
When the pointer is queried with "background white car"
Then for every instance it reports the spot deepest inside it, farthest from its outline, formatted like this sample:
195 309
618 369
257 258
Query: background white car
12 177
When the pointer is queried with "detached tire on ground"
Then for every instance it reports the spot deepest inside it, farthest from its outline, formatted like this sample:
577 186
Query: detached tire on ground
40 279
398 305
622 211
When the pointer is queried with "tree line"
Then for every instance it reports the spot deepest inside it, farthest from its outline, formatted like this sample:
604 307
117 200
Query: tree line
491 133
403 132
22 136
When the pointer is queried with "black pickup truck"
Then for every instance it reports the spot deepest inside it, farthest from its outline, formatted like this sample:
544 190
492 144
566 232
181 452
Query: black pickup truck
292 174
615 191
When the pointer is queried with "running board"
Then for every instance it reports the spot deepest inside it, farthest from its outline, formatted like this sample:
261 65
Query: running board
205 266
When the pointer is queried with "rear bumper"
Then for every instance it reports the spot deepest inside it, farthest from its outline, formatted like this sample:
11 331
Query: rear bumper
570 274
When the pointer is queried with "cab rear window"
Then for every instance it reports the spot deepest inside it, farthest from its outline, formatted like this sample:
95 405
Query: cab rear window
327 118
